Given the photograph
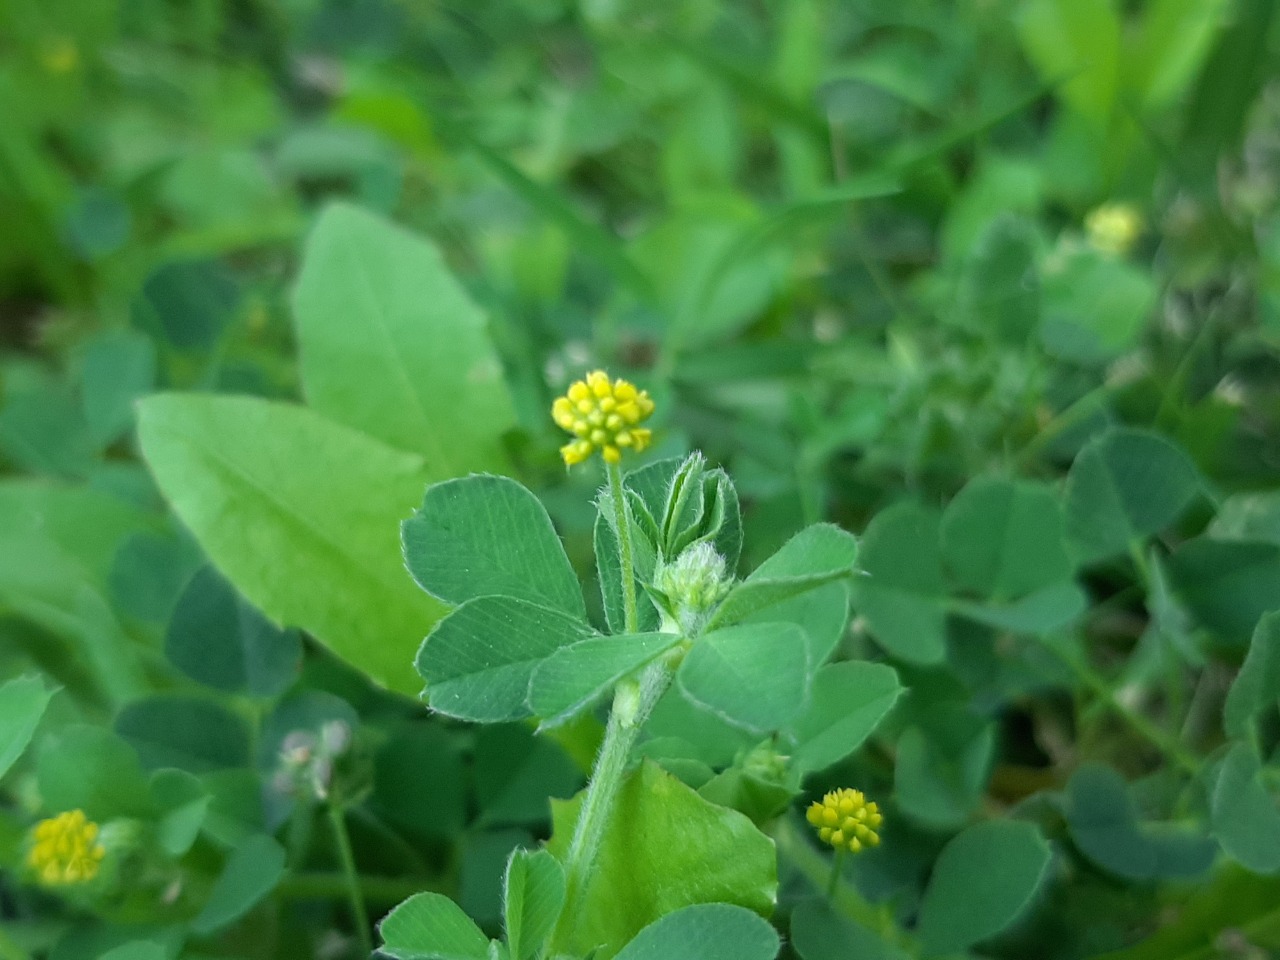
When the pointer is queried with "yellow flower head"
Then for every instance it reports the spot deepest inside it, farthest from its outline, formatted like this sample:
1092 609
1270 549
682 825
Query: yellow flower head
66 849
1114 228
845 819
602 415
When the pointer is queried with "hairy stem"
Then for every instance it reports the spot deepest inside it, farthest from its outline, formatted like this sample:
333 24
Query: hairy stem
633 701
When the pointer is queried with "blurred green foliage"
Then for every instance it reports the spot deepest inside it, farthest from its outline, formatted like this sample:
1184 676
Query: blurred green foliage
993 284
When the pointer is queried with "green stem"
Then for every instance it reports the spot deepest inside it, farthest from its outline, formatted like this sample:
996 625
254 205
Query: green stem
633 701
354 890
837 862
622 524
1163 741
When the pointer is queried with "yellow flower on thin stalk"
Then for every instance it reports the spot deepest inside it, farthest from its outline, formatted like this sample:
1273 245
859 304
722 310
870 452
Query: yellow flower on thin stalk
602 415
846 820
66 849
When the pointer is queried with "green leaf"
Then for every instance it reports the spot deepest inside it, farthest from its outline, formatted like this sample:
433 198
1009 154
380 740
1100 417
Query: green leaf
903 593
1248 516
1123 487
214 637
1174 39
392 345
1000 287
171 730
815 556
515 772
665 848
438 813
1042 612
1005 538
1103 821
822 613
820 932
982 880
137 950
943 765
1245 818
182 803
534 897
251 872
1077 41
1257 686
1095 306
705 931
478 661
488 536
92 769
429 926
574 677
756 675
22 704
119 366
848 701
302 516
1227 585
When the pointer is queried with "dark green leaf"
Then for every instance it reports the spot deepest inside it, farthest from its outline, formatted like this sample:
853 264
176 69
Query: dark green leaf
170 730
848 701
1245 817
251 872
1227 585
1257 685
22 704
983 879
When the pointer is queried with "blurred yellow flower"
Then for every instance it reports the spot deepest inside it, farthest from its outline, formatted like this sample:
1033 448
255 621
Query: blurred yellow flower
61 55
846 820
66 849
603 415
1114 228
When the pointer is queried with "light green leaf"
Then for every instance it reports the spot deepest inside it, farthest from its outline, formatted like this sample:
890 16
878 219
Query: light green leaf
302 516
478 661
705 931
665 848
22 704
1095 306
574 677
429 926
815 556
903 594
251 872
534 896
1123 487
92 769
1005 538
1174 39
1245 818
849 700
981 882
1257 685
392 345
1248 516
755 675
1077 41
488 536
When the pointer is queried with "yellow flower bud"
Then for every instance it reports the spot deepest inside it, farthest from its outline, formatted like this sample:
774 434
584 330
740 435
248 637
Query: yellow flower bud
846 819
65 849
1114 228
603 415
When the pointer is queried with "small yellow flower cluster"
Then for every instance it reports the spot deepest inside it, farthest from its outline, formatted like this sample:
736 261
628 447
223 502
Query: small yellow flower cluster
846 819
1114 228
604 416
66 849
